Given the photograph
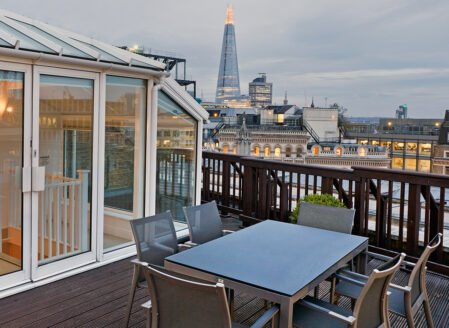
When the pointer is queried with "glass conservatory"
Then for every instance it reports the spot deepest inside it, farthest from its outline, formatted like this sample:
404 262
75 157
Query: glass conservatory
91 137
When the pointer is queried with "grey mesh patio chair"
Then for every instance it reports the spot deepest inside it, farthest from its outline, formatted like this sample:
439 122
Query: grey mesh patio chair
404 300
204 223
182 303
370 310
326 217
155 238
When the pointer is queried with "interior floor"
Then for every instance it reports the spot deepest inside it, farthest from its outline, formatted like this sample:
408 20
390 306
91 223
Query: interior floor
7 267
110 241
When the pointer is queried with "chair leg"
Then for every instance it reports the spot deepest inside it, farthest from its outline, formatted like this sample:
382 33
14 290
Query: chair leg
428 313
332 291
231 302
136 274
409 314
148 323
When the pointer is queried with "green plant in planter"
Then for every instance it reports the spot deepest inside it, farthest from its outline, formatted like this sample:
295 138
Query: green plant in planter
324 199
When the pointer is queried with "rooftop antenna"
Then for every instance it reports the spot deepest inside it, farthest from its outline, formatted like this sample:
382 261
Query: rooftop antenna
285 99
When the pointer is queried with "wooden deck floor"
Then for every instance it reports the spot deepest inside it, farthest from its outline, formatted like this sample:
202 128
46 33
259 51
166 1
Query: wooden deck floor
98 298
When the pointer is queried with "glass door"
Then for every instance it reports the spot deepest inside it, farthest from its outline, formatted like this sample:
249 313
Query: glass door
15 137
64 118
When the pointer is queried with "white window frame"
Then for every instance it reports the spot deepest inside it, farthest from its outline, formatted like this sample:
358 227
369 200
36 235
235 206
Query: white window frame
19 277
70 263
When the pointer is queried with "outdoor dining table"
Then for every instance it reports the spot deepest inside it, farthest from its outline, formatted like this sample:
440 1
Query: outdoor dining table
276 261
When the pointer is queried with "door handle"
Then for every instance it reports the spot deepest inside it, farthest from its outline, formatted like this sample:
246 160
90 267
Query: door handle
26 179
38 178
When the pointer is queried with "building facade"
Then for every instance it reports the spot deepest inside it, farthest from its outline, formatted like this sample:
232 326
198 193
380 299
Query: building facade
260 91
228 83
92 137
411 143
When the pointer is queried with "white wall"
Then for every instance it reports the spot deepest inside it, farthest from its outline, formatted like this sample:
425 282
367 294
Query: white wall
323 120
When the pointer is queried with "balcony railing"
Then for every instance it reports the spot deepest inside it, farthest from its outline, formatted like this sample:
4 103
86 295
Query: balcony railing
398 210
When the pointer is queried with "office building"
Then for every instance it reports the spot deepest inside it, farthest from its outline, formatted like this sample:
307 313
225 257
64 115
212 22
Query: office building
260 91
228 84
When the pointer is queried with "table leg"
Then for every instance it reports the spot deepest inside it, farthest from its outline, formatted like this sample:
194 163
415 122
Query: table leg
362 262
286 314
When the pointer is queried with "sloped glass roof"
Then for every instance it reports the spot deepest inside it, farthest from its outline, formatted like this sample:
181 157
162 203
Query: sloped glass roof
21 33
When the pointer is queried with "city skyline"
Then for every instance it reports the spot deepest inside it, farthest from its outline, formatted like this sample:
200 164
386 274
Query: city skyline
368 57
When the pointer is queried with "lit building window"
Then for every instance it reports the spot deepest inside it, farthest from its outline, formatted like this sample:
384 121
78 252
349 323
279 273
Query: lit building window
316 150
267 151
362 151
425 148
398 146
424 165
280 118
277 152
225 149
338 151
410 164
256 151
234 150
397 163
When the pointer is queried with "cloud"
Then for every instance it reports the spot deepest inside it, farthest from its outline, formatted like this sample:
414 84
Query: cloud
377 74
368 55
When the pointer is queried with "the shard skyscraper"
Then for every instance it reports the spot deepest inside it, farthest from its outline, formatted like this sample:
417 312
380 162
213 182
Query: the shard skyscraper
228 84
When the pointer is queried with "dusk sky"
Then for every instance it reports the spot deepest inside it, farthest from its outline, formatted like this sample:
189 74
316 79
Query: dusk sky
369 56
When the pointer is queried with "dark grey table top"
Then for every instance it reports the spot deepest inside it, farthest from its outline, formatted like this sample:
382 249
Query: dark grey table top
276 256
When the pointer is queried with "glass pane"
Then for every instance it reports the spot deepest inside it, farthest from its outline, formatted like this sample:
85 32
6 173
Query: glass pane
25 41
176 158
65 149
68 49
124 164
11 162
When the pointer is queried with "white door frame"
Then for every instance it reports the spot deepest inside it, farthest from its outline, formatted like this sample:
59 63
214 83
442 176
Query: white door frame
19 277
58 266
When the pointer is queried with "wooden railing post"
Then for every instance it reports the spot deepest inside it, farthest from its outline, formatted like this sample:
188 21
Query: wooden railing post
226 183
206 184
413 217
283 215
359 206
248 189
326 185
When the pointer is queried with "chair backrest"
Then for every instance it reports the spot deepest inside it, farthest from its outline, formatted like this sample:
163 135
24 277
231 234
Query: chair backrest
371 307
155 238
417 280
179 303
204 222
326 217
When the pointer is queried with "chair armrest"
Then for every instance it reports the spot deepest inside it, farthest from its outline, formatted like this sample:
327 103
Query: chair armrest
388 258
137 262
352 281
190 243
226 232
349 320
266 317
354 274
405 289
184 247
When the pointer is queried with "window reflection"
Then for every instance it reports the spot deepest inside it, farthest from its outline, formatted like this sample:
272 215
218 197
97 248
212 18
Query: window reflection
11 162
176 158
66 107
124 158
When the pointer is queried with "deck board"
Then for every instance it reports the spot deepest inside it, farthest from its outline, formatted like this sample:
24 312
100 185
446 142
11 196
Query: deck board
98 298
